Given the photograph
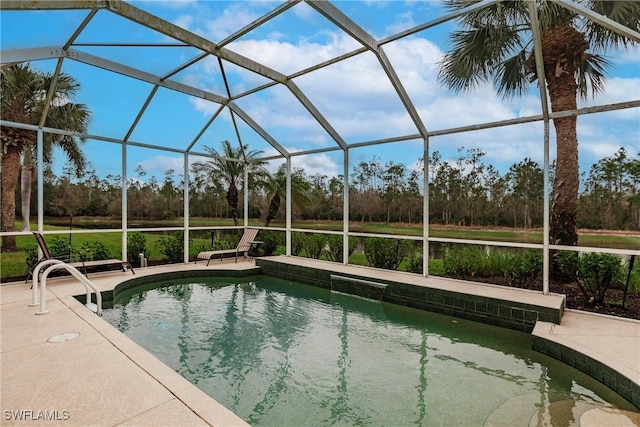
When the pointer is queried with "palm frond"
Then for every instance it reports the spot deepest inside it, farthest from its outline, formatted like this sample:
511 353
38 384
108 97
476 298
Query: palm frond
512 12
591 74
511 77
626 13
552 14
228 165
477 54
71 148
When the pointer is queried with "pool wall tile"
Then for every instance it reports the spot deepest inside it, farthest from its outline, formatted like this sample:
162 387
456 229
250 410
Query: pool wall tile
508 314
619 383
108 296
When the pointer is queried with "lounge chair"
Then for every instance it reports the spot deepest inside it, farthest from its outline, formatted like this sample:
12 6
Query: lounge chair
84 265
244 245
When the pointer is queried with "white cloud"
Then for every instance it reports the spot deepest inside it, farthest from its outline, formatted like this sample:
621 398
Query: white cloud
184 21
630 55
158 165
403 22
237 15
303 11
289 58
319 163
616 90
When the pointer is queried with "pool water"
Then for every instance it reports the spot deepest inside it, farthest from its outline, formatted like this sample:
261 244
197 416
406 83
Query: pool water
285 354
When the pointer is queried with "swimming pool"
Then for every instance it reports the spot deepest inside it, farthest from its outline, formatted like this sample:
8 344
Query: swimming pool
282 353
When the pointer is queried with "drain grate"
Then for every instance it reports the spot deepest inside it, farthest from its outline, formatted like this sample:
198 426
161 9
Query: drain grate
64 337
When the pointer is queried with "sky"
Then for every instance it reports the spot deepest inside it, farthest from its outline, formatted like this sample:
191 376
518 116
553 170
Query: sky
354 95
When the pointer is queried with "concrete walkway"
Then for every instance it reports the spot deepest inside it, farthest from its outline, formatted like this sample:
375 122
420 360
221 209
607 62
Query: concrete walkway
612 341
71 368
99 378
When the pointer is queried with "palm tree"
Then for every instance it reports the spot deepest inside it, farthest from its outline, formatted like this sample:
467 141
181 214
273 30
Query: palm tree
24 94
496 45
228 168
276 186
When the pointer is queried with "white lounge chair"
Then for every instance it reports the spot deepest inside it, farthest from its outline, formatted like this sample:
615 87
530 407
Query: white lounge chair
244 245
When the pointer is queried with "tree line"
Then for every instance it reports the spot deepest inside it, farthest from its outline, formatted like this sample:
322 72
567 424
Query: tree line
464 192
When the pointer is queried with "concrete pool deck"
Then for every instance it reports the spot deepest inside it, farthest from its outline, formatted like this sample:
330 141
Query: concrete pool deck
102 378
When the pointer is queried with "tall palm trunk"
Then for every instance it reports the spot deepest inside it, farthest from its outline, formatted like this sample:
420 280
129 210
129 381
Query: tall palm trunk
232 200
26 180
10 170
563 49
274 206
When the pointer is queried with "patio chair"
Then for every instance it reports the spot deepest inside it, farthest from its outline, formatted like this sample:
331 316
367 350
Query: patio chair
84 265
244 245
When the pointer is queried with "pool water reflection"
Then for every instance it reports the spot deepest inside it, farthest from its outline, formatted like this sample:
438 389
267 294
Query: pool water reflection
282 353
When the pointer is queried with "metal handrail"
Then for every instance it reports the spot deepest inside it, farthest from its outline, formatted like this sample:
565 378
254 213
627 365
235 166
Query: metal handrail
54 264
35 275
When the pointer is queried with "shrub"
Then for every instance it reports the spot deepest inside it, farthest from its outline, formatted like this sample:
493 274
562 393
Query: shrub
495 262
462 263
523 268
334 249
297 243
271 240
519 269
136 244
314 244
32 257
84 253
594 272
383 253
60 249
100 251
173 246
414 262
564 266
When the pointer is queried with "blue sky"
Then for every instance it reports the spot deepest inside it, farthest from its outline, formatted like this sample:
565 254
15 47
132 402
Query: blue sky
354 95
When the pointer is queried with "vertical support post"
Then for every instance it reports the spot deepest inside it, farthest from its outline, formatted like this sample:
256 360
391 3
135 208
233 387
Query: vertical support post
345 208
288 204
546 261
124 201
40 155
535 29
425 209
185 212
246 195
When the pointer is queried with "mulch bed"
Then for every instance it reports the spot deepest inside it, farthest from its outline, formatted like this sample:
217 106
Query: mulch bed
613 301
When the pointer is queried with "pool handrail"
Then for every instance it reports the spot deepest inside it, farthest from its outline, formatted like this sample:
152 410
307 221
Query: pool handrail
56 265
36 278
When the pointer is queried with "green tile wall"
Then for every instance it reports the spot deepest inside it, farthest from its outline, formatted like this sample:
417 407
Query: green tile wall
108 296
512 315
622 385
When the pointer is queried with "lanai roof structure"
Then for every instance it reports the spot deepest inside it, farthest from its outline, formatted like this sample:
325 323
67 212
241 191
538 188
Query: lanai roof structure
162 62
